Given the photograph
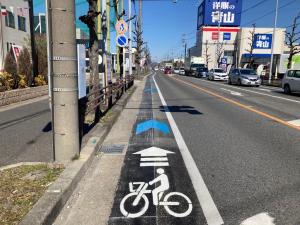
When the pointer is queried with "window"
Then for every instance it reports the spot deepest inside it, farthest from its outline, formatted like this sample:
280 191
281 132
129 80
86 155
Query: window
297 74
10 20
22 23
290 73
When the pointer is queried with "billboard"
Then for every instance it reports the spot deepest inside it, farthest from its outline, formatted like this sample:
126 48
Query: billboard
228 12
262 41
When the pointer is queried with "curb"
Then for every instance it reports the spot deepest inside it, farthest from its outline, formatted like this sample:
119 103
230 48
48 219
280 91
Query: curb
50 204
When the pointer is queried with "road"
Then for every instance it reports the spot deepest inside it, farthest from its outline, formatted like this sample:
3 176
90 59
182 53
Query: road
242 145
25 133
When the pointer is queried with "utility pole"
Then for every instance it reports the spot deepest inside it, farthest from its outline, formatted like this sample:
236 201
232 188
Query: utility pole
273 41
32 40
218 44
140 33
130 37
63 63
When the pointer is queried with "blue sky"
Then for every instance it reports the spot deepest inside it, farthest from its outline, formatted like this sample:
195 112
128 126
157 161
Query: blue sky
164 22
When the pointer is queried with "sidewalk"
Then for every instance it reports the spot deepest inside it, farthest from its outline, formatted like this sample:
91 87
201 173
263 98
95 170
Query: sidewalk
92 200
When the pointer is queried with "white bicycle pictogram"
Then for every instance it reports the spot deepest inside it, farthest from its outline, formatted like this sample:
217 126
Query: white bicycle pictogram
139 194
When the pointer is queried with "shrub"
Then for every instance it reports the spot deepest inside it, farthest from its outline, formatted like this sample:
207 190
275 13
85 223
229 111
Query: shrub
40 80
22 83
25 67
6 80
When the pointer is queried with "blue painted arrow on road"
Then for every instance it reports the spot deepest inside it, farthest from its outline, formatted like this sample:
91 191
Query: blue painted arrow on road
157 125
152 90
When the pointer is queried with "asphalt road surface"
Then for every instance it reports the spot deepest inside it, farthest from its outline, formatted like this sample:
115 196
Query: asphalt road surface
246 144
25 133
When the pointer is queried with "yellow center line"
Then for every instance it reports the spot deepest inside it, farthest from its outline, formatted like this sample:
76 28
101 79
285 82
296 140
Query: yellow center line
249 108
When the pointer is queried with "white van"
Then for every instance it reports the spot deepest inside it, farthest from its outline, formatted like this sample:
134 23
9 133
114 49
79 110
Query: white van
291 81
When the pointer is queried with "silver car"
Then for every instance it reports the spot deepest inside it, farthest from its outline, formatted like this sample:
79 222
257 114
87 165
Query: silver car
217 74
244 77
291 81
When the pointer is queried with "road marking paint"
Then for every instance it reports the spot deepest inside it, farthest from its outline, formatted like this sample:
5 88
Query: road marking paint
154 159
149 124
295 122
240 104
157 164
255 92
259 219
267 90
208 206
232 92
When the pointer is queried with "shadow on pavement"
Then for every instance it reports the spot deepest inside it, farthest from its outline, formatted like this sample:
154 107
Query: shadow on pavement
183 108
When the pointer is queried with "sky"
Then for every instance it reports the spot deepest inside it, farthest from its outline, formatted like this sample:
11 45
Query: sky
165 22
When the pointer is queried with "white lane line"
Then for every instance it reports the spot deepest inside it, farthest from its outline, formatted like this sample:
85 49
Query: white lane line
255 92
295 122
232 92
208 206
259 219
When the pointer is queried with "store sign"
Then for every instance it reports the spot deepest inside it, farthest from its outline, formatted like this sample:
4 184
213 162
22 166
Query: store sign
226 36
214 36
262 41
227 12
17 51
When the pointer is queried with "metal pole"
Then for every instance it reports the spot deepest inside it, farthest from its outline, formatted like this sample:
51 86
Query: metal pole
65 79
218 43
273 42
130 36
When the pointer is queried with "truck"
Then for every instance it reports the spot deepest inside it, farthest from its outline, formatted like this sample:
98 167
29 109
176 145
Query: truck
193 65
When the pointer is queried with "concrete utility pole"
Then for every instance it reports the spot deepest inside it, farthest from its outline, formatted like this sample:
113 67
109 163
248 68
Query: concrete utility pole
218 44
130 38
273 42
64 75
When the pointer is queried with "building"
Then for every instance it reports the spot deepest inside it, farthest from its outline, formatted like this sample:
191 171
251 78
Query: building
14 26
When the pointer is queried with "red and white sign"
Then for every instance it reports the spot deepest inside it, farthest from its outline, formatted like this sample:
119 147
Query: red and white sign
17 50
214 35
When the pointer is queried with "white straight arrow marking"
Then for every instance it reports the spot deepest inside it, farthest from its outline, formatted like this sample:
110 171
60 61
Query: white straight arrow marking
153 151
233 92
154 164
154 159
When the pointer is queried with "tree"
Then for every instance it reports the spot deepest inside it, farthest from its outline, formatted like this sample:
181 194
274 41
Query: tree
25 66
293 38
10 66
220 51
206 52
147 55
251 45
137 38
41 54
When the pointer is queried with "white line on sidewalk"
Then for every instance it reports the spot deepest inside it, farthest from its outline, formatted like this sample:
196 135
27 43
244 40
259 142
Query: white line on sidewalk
255 92
208 206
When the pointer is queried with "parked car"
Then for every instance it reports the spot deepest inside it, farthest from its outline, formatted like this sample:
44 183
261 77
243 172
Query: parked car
181 71
202 72
168 70
217 74
291 81
244 77
176 70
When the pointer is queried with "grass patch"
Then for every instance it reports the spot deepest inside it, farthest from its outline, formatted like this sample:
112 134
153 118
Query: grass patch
21 187
108 116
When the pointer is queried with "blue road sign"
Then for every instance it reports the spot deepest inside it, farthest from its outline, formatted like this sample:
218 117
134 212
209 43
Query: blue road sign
122 40
226 36
149 124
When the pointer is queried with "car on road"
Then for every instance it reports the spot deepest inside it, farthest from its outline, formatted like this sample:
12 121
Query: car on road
246 77
291 81
181 71
217 74
202 72
176 70
168 70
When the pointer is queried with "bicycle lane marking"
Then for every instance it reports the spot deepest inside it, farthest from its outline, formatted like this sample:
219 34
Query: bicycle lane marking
149 168
208 206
